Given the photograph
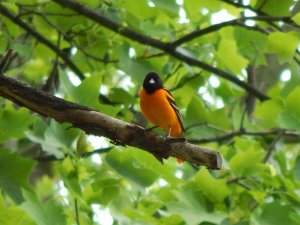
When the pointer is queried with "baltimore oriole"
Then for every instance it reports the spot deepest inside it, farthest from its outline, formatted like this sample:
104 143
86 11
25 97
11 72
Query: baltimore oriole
159 107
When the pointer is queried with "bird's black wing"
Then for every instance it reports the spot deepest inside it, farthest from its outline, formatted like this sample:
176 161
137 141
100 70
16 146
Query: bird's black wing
175 108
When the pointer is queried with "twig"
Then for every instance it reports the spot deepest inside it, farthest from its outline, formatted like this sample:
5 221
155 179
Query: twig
97 151
233 134
33 4
205 124
5 59
70 39
237 180
216 27
54 72
185 80
4 11
159 54
239 5
173 72
48 158
272 146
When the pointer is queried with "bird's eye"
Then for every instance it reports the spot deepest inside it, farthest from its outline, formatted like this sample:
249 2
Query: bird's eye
152 81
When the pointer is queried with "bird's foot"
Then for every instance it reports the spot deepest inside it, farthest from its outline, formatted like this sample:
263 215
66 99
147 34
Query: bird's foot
174 139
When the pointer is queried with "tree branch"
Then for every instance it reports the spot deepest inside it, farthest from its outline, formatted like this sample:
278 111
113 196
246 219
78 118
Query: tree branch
242 132
96 123
71 41
15 19
165 46
216 27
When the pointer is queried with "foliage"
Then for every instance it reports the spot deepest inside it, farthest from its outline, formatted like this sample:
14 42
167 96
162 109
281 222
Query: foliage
46 177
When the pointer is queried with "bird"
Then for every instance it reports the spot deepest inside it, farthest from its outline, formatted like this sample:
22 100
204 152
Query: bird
159 107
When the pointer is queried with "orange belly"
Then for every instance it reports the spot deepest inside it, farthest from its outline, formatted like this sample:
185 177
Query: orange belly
157 109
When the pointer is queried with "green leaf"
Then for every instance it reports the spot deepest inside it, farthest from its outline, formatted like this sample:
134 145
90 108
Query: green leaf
43 52
166 171
11 215
288 120
10 5
103 190
140 9
60 135
88 91
121 96
136 68
169 6
194 6
14 122
69 174
284 52
68 87
275 213
152 29
290 117
250 49
22 49
220 118
190 6
45 29
125 164
206 183
227 55
36 68
191 206
13 29
268 112
138 216
274 7
14 174
44 213
297 168
3 43
196 111
292 102
296 18
171 220
247 160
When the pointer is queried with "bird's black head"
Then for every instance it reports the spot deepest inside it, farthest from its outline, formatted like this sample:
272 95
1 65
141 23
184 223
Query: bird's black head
152 82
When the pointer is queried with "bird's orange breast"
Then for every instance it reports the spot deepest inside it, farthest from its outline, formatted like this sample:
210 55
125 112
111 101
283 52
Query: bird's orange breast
157 109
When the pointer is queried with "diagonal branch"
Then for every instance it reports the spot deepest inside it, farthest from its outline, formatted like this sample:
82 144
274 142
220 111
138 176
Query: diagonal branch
15 19
96 123
165 46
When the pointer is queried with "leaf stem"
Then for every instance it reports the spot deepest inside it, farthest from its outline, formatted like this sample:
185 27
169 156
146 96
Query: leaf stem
76 211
